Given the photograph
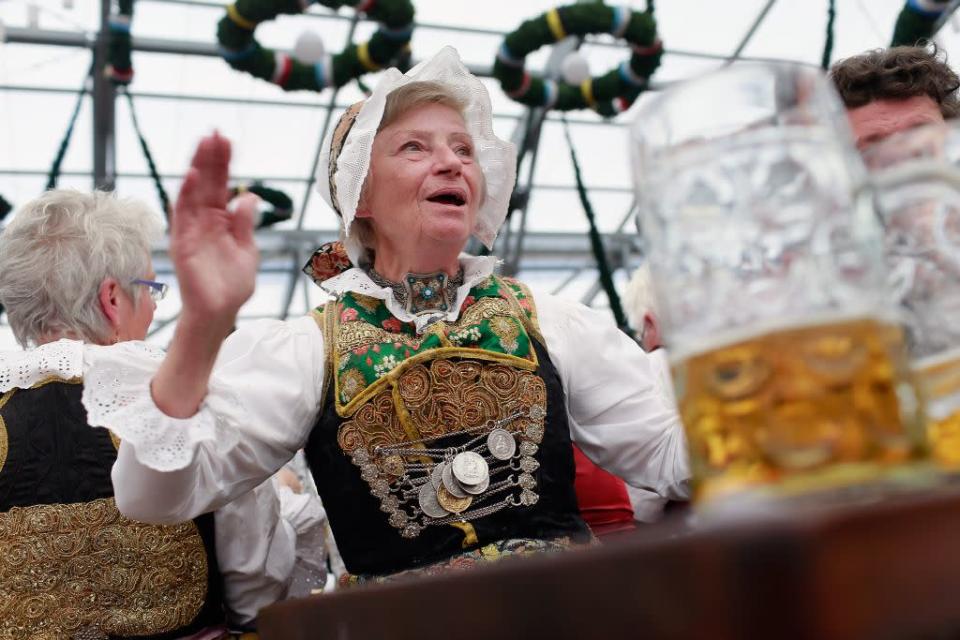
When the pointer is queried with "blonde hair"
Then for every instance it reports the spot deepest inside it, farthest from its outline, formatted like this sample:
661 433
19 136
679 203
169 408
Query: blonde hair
410 96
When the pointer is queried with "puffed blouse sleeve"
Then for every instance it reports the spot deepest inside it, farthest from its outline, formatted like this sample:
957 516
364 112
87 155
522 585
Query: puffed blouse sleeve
262 401
619 414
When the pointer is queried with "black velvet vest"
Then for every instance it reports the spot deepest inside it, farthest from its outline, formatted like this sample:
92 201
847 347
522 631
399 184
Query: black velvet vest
370 546
56 499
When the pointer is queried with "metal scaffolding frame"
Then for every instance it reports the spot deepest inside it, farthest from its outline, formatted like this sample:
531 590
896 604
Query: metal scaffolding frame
285 250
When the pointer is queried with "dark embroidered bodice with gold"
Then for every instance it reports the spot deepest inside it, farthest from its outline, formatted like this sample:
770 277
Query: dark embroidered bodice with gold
72 566
432 444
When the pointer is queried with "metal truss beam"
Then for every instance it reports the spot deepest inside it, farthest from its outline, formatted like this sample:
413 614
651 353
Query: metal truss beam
748 36
104 94
295 104
434 26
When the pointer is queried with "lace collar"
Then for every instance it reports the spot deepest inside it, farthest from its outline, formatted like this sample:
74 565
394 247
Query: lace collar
24 369
476 269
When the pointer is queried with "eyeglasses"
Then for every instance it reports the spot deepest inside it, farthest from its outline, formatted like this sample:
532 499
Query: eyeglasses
158 290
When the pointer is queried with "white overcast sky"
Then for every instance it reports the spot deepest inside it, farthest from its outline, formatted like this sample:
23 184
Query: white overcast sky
278 143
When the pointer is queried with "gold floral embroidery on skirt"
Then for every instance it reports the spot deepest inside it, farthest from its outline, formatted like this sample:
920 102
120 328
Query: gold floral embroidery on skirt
82 568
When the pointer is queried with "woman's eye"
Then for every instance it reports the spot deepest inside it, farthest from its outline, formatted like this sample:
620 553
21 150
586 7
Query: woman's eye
412 146
465 151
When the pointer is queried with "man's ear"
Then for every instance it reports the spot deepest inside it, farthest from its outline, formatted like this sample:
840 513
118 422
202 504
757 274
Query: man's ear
109 298
651 333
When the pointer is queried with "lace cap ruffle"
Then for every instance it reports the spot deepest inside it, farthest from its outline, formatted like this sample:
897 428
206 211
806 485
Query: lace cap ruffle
23 369
116 395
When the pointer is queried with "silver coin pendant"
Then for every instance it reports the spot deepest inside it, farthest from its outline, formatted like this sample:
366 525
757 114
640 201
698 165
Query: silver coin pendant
450 483
428 502
477 489
470 468
501 444
436 476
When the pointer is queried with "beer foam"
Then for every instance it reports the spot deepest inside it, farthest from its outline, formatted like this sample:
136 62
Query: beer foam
767 326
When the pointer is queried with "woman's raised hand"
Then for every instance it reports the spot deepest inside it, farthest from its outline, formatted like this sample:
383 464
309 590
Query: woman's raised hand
213 249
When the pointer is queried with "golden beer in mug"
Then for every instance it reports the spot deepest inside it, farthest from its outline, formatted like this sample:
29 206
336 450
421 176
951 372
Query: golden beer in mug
798 405
916 176
938 378
767 259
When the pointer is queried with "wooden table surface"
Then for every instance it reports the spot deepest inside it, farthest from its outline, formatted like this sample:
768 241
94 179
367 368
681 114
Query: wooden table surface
864 566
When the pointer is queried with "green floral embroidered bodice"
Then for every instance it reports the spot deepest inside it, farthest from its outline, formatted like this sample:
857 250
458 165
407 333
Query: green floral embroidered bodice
371 346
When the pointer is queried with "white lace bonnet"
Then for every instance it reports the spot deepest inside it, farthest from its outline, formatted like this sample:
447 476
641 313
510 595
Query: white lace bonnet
340 183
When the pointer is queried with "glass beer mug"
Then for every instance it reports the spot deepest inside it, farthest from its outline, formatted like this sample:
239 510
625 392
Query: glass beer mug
917 189
767 262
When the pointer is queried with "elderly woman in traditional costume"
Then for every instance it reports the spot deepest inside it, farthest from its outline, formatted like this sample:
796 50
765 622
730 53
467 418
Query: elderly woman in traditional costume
435 400
75 270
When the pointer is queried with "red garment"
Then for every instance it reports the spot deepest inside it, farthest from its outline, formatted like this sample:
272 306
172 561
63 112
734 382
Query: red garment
602 497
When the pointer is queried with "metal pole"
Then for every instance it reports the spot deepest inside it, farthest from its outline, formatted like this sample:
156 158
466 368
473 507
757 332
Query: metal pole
512 264
531 149
104 150
327 118
323 136
297 257
753 29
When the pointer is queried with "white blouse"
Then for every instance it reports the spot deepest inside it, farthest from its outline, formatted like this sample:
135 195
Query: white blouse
266 388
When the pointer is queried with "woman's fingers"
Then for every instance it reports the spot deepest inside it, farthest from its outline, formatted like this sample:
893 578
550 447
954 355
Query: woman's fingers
211 163
187 199
241 224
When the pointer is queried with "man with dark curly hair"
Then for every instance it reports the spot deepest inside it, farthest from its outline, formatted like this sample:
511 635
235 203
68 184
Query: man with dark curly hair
890 90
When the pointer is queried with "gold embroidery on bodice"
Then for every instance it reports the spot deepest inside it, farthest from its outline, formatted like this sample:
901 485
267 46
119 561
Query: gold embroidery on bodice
79 568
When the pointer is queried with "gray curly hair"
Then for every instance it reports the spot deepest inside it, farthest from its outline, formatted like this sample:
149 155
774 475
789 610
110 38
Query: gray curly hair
57 251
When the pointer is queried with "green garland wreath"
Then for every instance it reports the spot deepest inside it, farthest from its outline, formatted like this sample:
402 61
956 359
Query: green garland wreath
916 21
119 65
608 94
390 43
282 204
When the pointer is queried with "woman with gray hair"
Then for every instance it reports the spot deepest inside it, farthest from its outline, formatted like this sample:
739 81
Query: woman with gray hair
78 265
435 400
75 270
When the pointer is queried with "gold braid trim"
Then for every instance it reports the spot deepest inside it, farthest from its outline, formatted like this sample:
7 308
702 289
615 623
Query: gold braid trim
50 379
469 534
531 322
4 443
407 423
324 320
